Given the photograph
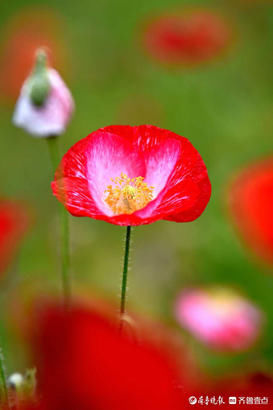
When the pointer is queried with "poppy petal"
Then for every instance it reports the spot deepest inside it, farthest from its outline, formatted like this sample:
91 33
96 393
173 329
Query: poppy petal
167 162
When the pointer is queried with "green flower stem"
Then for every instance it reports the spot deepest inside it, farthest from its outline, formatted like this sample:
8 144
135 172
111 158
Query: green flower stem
125 273
53 147
3 378
54 152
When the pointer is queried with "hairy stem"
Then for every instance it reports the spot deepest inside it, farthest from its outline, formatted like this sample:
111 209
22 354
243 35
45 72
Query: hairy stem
53 147
3 378
125 272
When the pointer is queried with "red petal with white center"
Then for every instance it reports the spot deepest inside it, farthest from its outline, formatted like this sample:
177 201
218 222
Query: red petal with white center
166 161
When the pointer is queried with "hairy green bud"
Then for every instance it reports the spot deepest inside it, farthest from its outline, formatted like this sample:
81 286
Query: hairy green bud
38 82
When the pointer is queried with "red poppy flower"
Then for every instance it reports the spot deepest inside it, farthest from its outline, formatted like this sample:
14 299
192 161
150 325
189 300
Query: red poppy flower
132 176
187 38
251 204
13 224
25 33
84 362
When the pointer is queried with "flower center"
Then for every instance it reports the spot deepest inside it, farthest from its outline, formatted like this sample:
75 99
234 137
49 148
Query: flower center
128 194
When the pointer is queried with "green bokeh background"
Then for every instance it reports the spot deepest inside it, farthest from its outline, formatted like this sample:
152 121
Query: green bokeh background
225 108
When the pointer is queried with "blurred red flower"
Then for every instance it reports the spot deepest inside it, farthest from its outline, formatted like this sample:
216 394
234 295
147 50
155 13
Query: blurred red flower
28 30
14 222
84 363
253 390
132 176
187 37
251 204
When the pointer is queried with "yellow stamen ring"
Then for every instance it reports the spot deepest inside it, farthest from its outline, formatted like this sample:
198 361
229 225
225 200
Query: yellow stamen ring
128 194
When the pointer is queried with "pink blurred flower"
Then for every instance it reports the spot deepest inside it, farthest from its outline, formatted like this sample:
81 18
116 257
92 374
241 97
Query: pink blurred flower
52 116
219 318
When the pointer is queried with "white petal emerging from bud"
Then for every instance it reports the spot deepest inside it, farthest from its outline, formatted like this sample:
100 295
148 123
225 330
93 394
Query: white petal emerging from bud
52 117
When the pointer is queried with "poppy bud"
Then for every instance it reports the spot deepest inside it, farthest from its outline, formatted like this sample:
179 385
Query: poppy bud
39 83
45 104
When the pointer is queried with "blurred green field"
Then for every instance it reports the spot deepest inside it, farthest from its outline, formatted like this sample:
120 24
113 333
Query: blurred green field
224 107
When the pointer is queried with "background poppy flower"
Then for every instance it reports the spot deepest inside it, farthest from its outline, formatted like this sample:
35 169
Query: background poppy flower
219 318
251 204
132 176
26 31
84 362
14 222
187 37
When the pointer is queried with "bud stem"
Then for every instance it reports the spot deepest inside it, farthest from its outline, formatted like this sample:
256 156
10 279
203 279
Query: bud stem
125 274
3 377
64 223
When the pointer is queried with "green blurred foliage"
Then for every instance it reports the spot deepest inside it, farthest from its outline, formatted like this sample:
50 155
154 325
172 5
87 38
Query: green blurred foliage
224 107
